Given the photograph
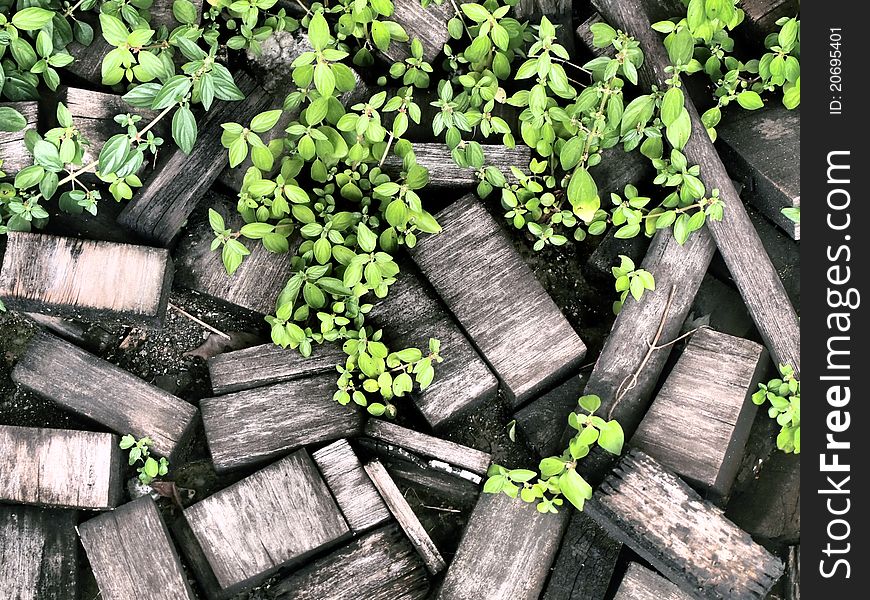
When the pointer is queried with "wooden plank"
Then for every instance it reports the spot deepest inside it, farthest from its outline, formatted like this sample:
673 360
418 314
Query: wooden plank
449 452
102 227
60 467
719 413
160 208
89 59
13 151
462 381
660 517
429 25
381 565
793 586
89 386
357 498
762 15
93 281
542 422
505 552
639 583
403 513
761 149
276 517
479 274
444 173
585 562
161 14
130 551
585 36
89 336
251 427
457 492
38 554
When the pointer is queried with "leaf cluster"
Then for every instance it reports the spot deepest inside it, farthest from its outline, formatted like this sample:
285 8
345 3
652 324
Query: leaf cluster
784 396
149 468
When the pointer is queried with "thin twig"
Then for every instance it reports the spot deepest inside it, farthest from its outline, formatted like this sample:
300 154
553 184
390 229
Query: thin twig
199 321
448 510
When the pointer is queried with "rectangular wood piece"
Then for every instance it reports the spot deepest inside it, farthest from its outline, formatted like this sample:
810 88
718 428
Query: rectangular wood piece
428 24
13 151
639 583
444 173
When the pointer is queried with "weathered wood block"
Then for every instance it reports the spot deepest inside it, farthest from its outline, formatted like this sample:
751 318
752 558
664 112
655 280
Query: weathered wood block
444 173
505 552
93 281
482 278
585 36
275 517
38 554
357 498
87 385
381 565
92 337
131 554
585 562
660 517
13 151
449 452
761 149
89 59
458 492
161 14
404 514
462 380
160 208
542 421
639 583
60 467
761 15
708 393
250 427
429 25
559 12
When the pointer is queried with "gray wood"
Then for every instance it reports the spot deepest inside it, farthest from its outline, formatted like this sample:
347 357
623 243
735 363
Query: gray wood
708 393
542 421
505 552
429 25
761 15
660 517
585 36
13 151
793 586
161 14
89 336
444 173
761 149
405 516
585 562
131 554
158 211
102 226
736 238
38 554
459 493
89 59
97 389
60 467
254 426
479 274
275 517
639 583
559 13
92 281
449 452
381 565
410 315
357 498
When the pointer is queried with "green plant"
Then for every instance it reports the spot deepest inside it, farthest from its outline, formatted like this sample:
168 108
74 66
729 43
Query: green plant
793 213
557 477
784 395
140 452
630 280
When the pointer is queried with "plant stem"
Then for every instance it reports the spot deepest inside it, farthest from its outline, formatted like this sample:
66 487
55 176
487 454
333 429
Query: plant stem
72 8
386 150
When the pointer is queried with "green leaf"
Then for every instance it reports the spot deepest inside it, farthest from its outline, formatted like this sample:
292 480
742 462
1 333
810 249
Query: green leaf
367 239
318 32
184 12
602 34
750 100
47 155
583 194
114 31
11 120
575 488
265 121
475 12
680 130
114 153
612 438
184 130
590 403
672 105
33 18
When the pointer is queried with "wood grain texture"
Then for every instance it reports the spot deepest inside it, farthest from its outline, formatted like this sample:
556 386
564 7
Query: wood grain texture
503 308
381 565
277 516
429 25
92 337
13 151
793 587
459 493
718 413
358 499
89 59
761 150
131 554
449 452
660 517
60 467
444 173
251 427
38 554
542 421
736 238
761 15
94 281
405 516
506 551
89 386
639 583
410 315
161 14
160 208
585 562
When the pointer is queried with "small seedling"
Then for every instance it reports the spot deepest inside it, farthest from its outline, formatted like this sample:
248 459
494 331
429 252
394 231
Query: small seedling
630 280
784 395
140 452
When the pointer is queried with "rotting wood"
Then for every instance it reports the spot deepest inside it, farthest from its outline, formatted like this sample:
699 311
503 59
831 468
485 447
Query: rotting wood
13 150
405 516
91 337
250 427
542 421
60 468
92 281
38 554
660 517
358 499
718 413
97 389
131 553
429 25
503 308
445 173
639 583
